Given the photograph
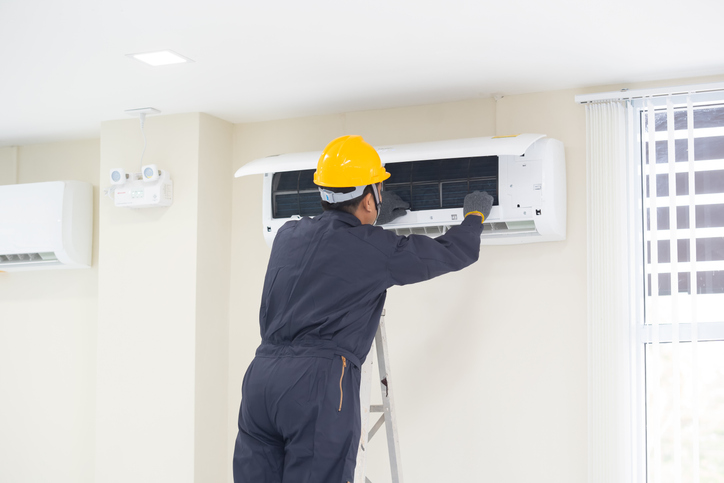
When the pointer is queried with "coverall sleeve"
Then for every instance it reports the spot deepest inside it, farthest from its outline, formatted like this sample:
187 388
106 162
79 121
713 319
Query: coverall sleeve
417 257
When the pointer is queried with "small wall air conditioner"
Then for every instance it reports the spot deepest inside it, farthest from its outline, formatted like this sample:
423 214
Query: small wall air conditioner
526 174
46 225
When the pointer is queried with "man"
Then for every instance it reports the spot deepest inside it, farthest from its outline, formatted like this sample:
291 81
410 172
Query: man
324 291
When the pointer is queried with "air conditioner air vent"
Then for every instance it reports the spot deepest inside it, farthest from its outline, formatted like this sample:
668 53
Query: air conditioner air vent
28 259
510 228
433 230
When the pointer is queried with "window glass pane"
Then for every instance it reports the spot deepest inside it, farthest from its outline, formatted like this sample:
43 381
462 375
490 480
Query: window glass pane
660 389
662 185
710 249
705 149
662 218
707 117
711 282
708 182
709 216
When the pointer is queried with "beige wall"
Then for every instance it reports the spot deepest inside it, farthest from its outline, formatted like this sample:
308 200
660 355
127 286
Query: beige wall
163 297
8 165
47 342
491 361
212 295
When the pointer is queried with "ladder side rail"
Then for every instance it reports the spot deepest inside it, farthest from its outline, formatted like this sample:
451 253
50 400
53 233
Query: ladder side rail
393 442
365 395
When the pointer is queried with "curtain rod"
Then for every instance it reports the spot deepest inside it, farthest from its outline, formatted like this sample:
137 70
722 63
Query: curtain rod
655 92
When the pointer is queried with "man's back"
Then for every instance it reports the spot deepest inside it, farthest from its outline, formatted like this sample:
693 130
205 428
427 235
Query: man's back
327 277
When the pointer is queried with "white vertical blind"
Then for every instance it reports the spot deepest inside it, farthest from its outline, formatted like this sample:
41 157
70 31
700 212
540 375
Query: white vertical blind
674 257
610 450
682 165
653 379
693 291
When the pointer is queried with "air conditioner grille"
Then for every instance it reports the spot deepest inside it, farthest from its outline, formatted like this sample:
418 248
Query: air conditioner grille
443 183
28 258
511 228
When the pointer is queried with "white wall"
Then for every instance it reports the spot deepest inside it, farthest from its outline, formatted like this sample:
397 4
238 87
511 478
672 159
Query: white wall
47 341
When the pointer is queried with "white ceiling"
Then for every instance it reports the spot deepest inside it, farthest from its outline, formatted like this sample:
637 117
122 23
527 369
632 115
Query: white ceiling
64 68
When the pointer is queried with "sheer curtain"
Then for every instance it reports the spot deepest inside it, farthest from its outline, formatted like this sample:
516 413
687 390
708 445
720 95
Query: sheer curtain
611 353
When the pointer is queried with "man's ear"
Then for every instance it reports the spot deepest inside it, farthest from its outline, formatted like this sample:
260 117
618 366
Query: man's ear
369 201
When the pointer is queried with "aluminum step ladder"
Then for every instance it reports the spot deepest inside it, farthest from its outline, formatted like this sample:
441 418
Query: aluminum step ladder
386 409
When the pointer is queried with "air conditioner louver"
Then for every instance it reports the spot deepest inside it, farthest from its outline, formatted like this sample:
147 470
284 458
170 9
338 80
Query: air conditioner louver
20 260
523 228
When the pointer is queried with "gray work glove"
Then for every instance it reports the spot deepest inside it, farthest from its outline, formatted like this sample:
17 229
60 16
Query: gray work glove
391 207
478 202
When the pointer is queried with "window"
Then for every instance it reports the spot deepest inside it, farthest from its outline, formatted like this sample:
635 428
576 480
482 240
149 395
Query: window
680 152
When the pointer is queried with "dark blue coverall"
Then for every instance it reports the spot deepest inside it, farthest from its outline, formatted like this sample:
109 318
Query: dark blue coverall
324 292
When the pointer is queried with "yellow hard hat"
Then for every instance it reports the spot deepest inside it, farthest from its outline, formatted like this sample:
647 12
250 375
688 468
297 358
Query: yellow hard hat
349 161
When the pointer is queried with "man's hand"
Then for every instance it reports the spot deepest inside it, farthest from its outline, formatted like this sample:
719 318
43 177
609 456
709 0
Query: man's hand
477 203
391 207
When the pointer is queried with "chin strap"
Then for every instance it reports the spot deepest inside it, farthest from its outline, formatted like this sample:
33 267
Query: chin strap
378 201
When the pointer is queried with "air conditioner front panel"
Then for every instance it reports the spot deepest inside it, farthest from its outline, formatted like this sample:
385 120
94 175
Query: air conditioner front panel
46 225
31 217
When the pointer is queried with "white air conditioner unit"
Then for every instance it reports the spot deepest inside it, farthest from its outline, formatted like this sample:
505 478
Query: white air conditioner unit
46 225
526 174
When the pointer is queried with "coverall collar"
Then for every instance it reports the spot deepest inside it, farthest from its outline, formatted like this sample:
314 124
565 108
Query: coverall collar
348 218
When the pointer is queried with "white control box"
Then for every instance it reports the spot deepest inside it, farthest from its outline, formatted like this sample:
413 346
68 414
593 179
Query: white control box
140 193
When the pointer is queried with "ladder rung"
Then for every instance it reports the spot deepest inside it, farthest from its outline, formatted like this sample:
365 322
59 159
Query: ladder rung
375 408
377 426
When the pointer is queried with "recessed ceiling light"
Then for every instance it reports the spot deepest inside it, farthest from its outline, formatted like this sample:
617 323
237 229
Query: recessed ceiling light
163 57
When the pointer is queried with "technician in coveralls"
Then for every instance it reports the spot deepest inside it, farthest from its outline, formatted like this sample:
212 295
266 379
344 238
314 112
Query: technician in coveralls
324 292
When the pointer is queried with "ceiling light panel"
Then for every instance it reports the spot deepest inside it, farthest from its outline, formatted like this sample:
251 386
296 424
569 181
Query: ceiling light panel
163 57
